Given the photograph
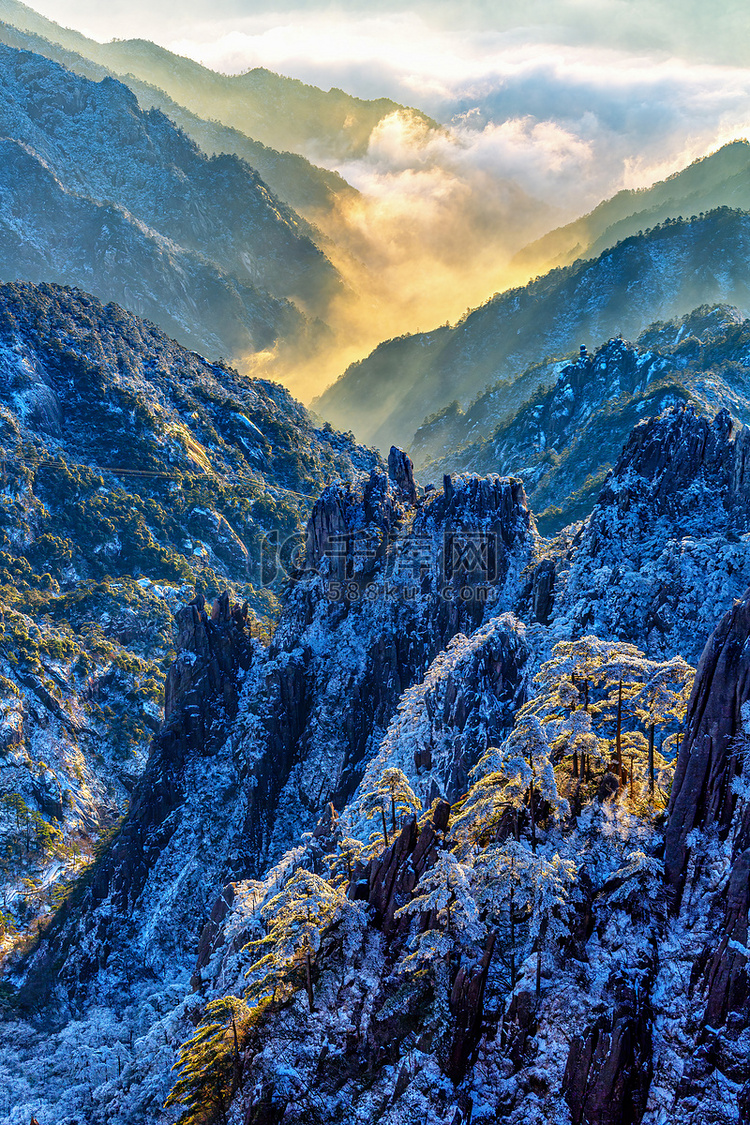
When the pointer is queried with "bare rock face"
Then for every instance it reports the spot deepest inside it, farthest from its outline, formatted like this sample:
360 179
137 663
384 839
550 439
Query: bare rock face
608 1072
393 875
726 976
401 472
387 883
708 760
712 759
354 516
543 591
467 1008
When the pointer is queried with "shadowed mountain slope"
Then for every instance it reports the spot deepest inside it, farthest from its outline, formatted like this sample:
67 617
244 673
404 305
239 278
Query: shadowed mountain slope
657 276
310 190
100 194
277 111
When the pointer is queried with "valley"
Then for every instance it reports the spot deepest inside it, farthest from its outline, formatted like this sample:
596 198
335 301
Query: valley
380 759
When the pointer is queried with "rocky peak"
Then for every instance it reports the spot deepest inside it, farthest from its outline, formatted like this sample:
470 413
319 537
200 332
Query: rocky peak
354 519
401 472
675 453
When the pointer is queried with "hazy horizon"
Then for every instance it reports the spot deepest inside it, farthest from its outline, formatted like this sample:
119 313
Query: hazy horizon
547 108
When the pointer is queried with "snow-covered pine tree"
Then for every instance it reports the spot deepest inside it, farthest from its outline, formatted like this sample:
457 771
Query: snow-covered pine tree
295 919
444 894
503 880
209 1066
552 880
392 792
525 762
341 863
661 702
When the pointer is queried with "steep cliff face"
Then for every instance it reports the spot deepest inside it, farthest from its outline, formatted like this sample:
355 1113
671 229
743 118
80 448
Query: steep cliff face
701 1022
664 552
394 579
712 753
97 924
296 726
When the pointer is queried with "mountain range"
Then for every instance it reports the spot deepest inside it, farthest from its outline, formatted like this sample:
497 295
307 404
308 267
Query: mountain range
280 112
659 275
335 789
314 192
561 427
198 244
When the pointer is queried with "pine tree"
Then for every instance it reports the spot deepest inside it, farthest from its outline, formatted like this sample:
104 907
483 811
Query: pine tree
209 1066
295 919
503 876
552 880
444 894
342 862
392 793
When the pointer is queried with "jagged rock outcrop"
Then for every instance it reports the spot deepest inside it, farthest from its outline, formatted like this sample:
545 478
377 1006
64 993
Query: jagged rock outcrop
609 1066
666 542
351 526
464 704
708 816
676 450
726 974
382 595
709 759
467 1009
401 472
389 879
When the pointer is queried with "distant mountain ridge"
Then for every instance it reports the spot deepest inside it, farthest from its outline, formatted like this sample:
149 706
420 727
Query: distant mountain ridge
99 194
659 275
565 437
721 179
277 111
308 189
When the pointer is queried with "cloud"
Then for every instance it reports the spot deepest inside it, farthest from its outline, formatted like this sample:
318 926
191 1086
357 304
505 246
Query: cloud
575 98
546 107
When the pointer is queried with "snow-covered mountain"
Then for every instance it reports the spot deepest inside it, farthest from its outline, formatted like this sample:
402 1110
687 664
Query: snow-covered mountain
717 180
560 427
479 926
328 796
312 191
656 276
99 194
134 474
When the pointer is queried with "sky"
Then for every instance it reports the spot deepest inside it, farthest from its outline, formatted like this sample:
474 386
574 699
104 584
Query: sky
572 99
546 107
